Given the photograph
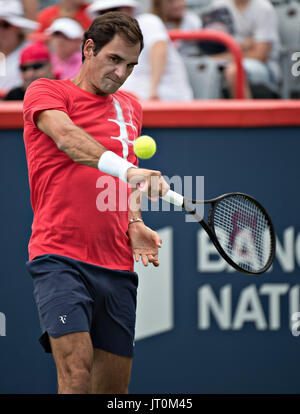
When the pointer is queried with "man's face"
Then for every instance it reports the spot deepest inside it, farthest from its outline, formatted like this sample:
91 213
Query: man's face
173 9
9 35
108 70
34 71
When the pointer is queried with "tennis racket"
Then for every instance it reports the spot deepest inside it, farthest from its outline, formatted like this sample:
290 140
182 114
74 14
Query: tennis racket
239 227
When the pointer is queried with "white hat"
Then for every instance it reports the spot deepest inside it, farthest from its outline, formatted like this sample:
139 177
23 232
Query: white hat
12 12
69 27
99 5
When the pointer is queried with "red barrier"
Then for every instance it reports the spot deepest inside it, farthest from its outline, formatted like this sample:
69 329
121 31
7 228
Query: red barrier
215 36
221 113
197 113
11 114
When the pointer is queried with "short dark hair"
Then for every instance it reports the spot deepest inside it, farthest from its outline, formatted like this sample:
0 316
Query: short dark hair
107 25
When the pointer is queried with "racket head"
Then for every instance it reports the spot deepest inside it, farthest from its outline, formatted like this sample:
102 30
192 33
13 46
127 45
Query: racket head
243 232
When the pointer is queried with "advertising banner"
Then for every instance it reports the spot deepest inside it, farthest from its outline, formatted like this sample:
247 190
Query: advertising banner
202 327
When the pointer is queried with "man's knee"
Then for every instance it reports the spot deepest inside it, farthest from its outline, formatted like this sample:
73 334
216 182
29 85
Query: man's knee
73 357
74 379
74 373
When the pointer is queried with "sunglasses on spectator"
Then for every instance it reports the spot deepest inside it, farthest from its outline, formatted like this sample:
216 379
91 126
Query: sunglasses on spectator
34 66
5 25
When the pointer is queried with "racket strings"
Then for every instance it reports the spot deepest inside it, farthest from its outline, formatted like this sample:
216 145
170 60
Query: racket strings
243 231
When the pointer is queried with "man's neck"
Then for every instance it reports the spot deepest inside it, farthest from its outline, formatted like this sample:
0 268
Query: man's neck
81 80
241 4
174 22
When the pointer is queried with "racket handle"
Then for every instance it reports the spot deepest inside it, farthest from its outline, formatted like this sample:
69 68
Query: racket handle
173 198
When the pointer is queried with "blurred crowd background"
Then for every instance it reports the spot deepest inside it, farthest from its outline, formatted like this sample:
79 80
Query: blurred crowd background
42 39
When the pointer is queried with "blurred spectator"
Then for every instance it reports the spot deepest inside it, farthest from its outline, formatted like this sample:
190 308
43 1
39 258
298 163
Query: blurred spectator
98 7
13 29
219 19
256 30
34 64
161 73
65 45
175 16
73 9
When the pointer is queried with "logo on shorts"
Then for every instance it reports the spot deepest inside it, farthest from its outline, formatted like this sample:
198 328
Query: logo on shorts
63 319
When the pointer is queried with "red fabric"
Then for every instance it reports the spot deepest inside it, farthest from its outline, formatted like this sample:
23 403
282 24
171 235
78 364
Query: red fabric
49 14
65 195
35 52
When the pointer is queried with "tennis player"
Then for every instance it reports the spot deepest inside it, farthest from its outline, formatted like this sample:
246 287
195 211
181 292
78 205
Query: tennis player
78 134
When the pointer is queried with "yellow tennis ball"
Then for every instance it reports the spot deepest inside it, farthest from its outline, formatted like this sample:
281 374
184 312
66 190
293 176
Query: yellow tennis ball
144 147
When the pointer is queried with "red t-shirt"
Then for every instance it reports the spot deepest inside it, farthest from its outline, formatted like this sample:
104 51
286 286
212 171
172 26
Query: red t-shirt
68 198
47 16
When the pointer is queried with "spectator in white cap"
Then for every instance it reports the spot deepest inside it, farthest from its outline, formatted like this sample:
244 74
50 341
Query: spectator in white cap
13 29
65 45
103 6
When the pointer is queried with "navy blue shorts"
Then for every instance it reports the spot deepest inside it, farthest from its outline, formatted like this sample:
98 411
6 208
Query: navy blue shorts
74 296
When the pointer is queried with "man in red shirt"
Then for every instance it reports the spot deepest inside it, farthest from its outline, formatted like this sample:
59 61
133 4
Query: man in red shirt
79 137
74 9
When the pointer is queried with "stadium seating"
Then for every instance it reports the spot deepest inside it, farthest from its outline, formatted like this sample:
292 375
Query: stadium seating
204 76
288 13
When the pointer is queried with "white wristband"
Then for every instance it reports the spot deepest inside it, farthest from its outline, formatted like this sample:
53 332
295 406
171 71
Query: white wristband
110 163
173 198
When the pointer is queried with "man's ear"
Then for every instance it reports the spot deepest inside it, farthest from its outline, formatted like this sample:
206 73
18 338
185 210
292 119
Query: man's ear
88 49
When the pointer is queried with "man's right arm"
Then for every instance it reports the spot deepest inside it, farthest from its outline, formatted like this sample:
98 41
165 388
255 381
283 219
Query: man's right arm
69 138
84 149
158 61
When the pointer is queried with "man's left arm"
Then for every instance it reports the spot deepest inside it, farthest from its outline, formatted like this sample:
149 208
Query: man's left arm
256 50
250 49
144 241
